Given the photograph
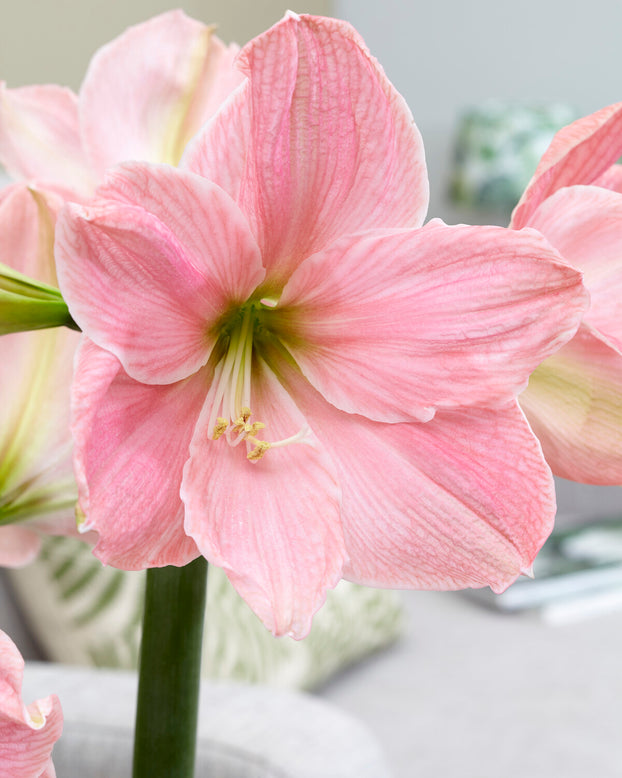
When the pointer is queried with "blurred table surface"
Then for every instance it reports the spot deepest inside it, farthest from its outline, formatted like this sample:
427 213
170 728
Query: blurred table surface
473 693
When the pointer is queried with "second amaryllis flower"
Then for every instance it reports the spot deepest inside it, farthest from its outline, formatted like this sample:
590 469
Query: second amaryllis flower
575 201
285 372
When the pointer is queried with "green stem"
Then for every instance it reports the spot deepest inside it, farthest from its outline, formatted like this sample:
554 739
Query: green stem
169 674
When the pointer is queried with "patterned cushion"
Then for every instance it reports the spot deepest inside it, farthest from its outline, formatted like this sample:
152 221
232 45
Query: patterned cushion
497 149
83 613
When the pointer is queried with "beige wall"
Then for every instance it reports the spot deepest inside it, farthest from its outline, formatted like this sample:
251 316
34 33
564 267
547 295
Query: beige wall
44 41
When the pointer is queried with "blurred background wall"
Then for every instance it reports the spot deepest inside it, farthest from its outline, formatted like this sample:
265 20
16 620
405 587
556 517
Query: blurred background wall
446 55
43 41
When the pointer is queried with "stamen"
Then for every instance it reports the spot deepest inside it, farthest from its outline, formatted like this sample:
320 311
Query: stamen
230 415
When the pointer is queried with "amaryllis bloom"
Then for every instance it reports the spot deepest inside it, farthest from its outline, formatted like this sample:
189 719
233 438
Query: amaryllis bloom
37 486
575 200
285 372
27 733
145 94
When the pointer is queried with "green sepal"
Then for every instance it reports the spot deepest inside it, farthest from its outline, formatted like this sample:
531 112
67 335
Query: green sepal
28 304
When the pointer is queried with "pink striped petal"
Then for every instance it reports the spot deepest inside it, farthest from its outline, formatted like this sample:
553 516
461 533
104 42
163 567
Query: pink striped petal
148 91
392 325
611 179
27 734
464 500
131 445
317 144
273 525
136 289
584 223
573 405
578 154
40 136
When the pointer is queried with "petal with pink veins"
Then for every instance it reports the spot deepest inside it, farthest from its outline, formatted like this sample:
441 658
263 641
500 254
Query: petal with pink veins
27 733
147 92
584 223
578 154
168 296
316 145
273 525
573 405
40 136
464 500
395 324
132 442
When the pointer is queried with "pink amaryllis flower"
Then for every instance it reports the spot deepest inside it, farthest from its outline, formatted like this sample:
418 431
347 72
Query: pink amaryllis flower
27 733
285 372
575 200
37 487
145 94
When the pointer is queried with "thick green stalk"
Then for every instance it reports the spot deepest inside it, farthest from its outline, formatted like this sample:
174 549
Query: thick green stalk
169 671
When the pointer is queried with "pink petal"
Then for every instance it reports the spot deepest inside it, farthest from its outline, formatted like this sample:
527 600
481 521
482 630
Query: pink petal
392 325
27 219
611 179
27 735
151 289
573 405
273 525
578 154
18 545
40 136
463 500
316 145
131 445
149 90
584 223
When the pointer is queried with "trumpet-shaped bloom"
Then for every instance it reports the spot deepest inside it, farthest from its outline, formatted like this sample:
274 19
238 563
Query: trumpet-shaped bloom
37 487
285 372
145 94
27 733
573 398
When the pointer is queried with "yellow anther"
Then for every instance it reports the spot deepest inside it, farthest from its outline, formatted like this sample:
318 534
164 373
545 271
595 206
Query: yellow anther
259 450
220 427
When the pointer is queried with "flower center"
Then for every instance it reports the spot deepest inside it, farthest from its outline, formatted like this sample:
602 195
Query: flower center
231 412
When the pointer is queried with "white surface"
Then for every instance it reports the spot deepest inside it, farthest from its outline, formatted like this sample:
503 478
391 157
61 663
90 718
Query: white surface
470 693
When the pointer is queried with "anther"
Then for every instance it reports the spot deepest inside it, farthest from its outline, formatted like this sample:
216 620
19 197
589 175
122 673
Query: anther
260 449
220 427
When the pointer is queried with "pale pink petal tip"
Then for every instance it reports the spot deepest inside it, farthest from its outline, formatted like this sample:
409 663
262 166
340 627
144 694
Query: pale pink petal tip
27 733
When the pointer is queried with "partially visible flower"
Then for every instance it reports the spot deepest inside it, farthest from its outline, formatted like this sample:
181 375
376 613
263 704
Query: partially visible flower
27 733
573 400
37 487
145 94
331 386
